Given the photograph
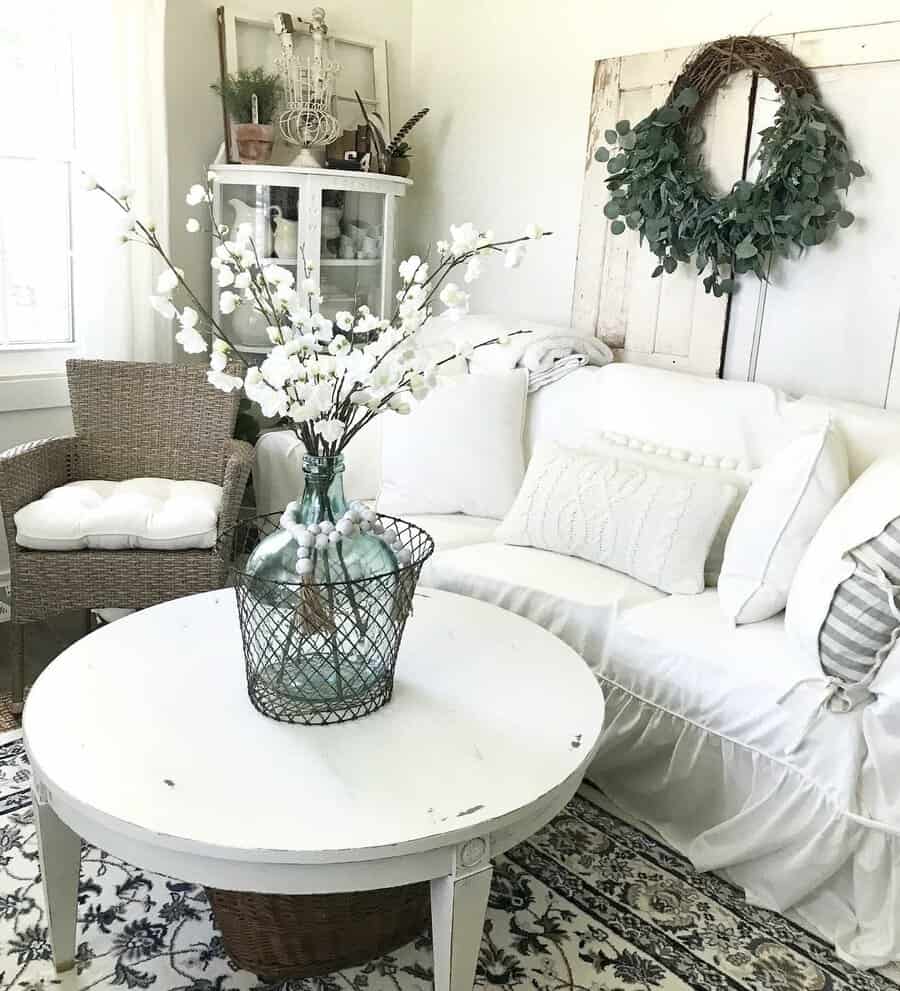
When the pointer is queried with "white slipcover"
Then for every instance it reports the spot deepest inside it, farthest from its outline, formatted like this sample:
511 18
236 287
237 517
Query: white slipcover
149 513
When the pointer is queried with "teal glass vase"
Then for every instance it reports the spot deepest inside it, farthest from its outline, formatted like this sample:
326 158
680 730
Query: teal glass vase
322 648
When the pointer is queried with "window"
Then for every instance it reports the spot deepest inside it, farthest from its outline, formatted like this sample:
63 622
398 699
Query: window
36 151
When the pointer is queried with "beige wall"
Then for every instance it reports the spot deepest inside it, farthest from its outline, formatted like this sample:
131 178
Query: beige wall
194 112
509 84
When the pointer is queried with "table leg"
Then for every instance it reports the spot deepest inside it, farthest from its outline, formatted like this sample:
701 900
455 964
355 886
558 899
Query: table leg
60 853
458 905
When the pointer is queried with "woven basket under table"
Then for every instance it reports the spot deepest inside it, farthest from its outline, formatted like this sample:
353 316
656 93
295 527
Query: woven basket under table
281 936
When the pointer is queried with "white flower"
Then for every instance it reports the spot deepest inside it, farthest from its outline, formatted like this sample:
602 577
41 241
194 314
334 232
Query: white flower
453 296
322 327
196 194
163 306
533 231
274 334
339 345
399 404
244 234
272 402
88 182
474 268
330 430
308 285
218 361
242 280
279 367
344 319
222 346
225 277
275 275
513 256
223 381
166 282
192 225
463 348
126 223
188 317
285 294
215 262
227 302
409 269
464 239
301 412
442 247
503 339
191 339
123 191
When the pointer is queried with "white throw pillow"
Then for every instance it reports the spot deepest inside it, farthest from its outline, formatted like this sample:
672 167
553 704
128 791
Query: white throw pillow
459 451
655 526
839 610
787 502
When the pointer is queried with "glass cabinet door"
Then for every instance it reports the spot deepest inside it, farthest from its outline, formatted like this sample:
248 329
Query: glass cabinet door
352 251
273 212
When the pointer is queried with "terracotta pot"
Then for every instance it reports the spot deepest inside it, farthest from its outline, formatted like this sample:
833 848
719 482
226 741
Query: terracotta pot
253 143
399 167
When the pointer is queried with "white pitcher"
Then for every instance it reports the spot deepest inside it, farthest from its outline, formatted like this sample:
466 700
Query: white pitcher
285 234
246 214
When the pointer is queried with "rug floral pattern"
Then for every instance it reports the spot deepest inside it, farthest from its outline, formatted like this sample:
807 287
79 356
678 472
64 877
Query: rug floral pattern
589 903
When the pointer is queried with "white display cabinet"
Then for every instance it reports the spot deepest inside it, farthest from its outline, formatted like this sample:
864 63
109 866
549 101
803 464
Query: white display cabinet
342 222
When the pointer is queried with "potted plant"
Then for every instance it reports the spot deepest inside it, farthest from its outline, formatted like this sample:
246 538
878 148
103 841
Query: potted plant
398 164
397 151
250 97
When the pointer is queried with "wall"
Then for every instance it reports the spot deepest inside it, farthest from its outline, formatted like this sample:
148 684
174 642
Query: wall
194 112
509 84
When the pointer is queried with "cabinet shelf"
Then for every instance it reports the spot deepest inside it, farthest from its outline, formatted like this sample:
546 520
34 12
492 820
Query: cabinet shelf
350 262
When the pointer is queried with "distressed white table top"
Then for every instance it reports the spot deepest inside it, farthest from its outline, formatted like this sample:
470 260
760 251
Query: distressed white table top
146 725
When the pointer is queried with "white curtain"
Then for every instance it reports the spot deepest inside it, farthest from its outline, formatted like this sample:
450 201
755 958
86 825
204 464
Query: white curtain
120 136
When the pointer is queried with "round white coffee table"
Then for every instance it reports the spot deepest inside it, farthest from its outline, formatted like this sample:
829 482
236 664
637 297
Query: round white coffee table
143 742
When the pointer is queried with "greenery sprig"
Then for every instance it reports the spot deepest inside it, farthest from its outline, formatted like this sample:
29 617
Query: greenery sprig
658 187
238 90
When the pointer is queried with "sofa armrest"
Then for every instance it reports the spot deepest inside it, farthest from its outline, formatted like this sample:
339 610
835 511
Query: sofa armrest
238 462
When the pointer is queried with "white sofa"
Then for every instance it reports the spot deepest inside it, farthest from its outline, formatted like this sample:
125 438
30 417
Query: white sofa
702 717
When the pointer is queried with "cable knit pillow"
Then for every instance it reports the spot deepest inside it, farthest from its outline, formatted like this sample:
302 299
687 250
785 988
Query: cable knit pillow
653 525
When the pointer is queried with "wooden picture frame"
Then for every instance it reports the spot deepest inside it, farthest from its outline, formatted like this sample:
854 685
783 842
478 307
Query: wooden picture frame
233 19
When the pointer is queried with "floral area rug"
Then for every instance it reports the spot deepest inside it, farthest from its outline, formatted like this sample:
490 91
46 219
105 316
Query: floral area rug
589 903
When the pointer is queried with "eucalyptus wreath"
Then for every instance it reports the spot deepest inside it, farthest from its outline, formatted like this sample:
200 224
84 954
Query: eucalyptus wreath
658 182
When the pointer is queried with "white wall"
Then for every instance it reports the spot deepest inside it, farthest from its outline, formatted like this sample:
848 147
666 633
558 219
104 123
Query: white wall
195 114
509 84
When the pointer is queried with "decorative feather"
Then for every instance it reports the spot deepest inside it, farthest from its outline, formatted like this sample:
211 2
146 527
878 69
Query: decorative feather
401 134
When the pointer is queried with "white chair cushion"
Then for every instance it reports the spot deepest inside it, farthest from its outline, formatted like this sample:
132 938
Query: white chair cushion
150 513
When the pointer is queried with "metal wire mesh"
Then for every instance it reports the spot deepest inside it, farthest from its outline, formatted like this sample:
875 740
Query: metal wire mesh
319 653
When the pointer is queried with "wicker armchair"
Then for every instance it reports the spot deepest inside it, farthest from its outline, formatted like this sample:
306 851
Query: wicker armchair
131 420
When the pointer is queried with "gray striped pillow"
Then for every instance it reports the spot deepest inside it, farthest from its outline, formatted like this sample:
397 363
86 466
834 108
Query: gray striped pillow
863 622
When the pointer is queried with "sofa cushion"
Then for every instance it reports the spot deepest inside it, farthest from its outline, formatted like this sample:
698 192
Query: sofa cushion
458 451
617 511
787 502
150 513
452 530
574 599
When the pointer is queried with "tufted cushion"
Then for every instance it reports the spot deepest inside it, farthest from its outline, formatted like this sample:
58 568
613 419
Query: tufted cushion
151 513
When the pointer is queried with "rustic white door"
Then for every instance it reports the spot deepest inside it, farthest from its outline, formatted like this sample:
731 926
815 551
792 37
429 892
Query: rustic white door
826 323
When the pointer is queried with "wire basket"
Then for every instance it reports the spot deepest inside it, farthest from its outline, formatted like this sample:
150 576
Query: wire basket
320 653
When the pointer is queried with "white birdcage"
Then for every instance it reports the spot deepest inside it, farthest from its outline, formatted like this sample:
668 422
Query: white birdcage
308 81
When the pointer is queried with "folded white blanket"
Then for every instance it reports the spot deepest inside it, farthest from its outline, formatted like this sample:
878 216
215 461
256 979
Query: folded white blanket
558 370
548 354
